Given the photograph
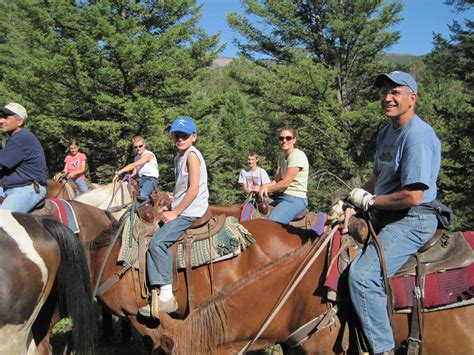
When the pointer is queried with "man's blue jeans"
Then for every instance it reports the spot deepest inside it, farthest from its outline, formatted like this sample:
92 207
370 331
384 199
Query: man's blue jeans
159 259
21 199
146 184
287 207
400 240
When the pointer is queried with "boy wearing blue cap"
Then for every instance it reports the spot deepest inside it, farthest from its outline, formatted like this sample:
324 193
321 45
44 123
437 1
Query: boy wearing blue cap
399 193
190 202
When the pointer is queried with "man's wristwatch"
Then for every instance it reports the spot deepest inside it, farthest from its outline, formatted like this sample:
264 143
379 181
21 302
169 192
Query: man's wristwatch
372 202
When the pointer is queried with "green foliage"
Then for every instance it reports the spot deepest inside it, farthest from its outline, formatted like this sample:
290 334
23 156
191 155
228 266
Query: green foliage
103 71
344 36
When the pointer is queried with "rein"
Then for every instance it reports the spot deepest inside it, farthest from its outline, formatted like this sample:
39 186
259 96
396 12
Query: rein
107 284
122 198
383 266
310 258
64 187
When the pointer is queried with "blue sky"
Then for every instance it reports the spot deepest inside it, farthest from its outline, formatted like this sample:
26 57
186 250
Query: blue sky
422 18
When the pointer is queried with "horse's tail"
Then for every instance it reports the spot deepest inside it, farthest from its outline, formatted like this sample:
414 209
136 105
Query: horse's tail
73 286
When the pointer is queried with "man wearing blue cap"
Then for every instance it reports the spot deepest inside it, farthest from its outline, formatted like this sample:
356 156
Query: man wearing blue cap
190 202
406 166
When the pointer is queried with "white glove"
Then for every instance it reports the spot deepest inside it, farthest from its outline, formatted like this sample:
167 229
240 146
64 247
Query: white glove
360 198
336 211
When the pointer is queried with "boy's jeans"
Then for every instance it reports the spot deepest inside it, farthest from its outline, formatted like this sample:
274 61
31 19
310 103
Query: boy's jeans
400 240
159 261
21 199
146 184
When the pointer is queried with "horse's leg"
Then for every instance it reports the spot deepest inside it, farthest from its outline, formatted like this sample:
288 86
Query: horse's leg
107 325
126 331
42 328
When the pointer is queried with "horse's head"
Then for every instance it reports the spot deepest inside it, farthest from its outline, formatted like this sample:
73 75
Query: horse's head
161 200
167 344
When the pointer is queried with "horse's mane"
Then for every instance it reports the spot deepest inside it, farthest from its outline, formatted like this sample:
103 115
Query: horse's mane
206 328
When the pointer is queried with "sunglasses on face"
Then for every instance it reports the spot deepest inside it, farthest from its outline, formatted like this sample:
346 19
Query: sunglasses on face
283 138
138 146
181 135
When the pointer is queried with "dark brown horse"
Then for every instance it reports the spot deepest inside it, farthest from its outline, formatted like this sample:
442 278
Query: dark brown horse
272 241
43 267
226 322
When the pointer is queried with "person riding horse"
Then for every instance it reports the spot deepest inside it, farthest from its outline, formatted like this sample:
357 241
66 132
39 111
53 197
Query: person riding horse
403 184
23 162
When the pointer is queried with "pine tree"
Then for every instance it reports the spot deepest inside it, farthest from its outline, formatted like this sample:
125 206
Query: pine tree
103 71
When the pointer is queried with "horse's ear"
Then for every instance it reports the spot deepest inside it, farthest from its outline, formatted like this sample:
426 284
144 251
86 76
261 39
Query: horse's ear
167 344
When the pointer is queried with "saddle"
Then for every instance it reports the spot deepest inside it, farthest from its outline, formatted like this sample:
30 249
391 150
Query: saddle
442 252
205 242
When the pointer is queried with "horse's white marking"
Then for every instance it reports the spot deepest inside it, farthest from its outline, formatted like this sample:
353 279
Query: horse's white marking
17 338
23 240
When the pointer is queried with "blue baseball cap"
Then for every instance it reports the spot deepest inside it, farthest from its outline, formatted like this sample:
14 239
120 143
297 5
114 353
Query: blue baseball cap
398 77
183 124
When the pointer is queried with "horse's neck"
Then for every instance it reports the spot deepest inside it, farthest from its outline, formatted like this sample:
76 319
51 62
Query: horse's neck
219 321
228 211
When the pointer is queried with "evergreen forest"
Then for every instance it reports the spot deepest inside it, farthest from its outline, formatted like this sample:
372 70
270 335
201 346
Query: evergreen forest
106 70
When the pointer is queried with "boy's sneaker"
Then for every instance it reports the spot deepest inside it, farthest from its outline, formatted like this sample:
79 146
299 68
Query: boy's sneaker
169 306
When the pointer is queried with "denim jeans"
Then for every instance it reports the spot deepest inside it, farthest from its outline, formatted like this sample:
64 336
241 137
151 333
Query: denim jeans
159 259
82 183
400 240
21 199
146 184
287 207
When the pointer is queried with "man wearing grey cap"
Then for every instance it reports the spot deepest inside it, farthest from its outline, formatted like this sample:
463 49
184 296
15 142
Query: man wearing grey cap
399 193
22 161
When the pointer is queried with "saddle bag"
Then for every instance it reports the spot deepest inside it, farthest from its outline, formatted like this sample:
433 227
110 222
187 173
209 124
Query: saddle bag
442 212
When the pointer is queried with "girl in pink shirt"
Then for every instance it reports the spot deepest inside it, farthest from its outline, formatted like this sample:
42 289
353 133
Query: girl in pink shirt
75 165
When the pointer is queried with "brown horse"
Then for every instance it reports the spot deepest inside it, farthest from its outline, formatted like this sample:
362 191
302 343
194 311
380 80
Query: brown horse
272 241
226 322
56 189
43 267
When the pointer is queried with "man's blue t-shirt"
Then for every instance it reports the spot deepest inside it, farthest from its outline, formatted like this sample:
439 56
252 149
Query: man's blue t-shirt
23 160
406 156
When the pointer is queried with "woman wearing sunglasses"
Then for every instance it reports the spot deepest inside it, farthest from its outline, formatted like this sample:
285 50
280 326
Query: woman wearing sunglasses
291 179
144 167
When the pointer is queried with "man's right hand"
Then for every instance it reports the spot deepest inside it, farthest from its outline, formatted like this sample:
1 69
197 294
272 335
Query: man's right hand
360 198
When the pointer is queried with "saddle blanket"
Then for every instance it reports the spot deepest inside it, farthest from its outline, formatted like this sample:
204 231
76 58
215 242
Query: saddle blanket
64 212
227 243
441 288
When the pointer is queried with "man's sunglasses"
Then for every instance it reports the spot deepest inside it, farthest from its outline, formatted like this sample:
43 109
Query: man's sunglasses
283 138
138 146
